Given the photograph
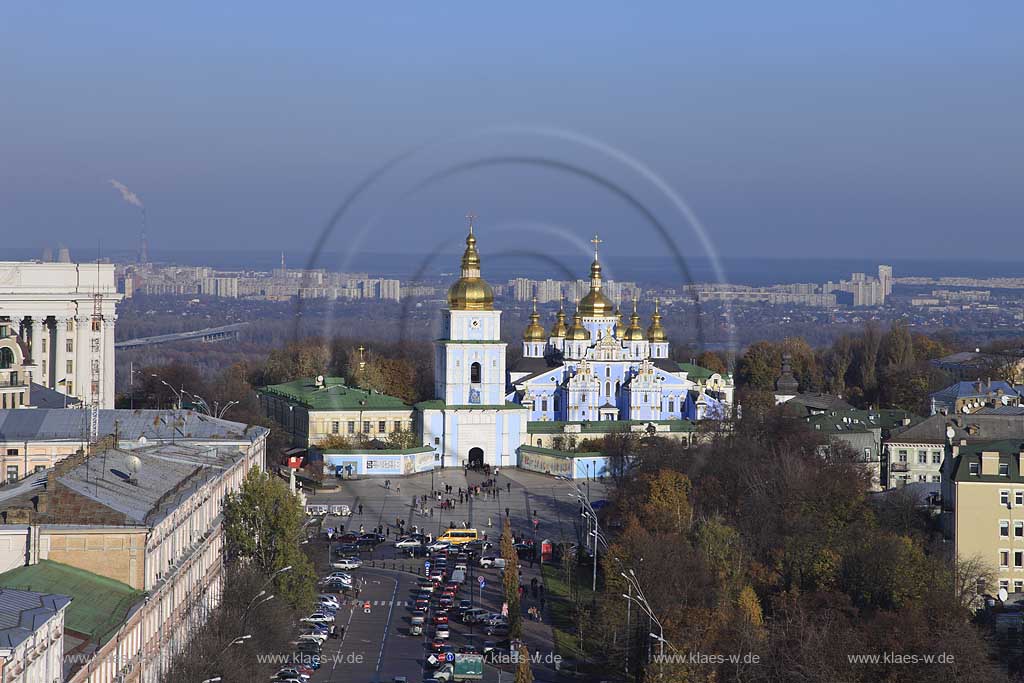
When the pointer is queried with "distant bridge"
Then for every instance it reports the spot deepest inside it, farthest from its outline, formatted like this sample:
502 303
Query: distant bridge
210 334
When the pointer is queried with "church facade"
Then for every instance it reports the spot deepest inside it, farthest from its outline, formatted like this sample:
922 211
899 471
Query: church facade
600 369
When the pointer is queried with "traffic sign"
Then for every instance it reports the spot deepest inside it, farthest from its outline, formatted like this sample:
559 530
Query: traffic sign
449 656
431 660
483 582
426 565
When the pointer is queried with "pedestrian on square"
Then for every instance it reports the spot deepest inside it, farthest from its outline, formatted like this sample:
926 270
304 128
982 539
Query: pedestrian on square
360 508
506 512
509 485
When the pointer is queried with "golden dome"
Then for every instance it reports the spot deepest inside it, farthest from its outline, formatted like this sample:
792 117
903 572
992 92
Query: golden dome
534 331
620 327
634 332
656 333
560 329
577 332
470 292
595 304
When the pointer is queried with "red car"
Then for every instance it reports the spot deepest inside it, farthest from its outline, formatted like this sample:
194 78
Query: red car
441 618
437 644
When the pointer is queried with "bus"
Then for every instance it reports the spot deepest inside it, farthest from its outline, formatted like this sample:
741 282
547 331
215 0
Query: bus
459 536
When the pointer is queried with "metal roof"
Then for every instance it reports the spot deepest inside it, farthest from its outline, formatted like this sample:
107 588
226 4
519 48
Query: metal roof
56 424
334 395
23 612
147 489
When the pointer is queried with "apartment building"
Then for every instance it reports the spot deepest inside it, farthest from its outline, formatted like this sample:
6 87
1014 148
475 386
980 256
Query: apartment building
31 636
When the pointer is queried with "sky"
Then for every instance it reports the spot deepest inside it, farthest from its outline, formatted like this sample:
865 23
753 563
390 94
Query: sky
795 129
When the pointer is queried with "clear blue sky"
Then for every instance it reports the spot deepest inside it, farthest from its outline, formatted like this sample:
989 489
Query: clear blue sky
791 129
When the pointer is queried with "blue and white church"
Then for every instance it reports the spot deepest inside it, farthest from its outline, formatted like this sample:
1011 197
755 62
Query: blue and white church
599 369
470 421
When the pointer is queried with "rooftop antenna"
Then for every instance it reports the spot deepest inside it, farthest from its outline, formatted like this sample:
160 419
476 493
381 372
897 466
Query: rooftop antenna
94 363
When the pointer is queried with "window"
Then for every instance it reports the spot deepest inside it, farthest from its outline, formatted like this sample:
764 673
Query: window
1018 559
1018 498
554 401
12 473
922 457
583 398
69 345
39 468
97 324
1018 586
922 477
382 426
1018 529
544 405
12 451
1004 583
607 388
902 455
608 371
936 478
70 367
539 442
1004 469
1004 528
351 426
972 468
70 326
437 441
95 344
1004 558
1004 497
936 457
474 373
366 426
671 406
398 425
335 427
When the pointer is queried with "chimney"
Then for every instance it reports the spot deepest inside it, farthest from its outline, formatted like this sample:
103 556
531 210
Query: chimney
1020 462
989 463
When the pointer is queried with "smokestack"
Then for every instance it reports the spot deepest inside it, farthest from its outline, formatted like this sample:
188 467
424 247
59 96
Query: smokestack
63 255
47 255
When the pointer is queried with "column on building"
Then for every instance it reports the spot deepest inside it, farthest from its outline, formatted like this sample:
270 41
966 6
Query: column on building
82 355
38 349
107 346
60 354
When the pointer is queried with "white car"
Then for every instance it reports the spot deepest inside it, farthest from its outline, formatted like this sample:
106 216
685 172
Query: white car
347 563
330 601
292 673
338 576
407 543
491 561
439 545
318 638
318 618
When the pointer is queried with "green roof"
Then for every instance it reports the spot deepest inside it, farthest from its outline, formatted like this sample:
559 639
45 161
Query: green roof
695 372
603 427
1008 449
439 404
98 605
561 454
886 419
334 395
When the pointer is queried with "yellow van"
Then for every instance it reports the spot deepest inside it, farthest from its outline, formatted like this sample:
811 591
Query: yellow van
459 536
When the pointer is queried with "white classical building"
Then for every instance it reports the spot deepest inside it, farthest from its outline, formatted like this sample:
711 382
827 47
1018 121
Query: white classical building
64 313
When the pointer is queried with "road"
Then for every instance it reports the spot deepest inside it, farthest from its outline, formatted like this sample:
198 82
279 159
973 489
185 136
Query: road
377 646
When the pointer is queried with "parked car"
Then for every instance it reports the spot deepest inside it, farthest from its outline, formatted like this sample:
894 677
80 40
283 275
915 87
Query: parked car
442 632
474 615
347 563
318 618
407 542
438 545
492 561
317 638
329 600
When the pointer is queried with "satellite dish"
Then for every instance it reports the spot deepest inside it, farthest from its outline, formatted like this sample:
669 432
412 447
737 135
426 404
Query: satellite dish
143 441
1003 594
134 464
950 432
965 409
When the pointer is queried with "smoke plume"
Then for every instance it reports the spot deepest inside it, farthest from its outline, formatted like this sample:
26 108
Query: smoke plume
127 194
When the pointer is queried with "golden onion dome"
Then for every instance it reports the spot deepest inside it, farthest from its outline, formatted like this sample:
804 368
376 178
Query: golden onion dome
620 327
534 331
634 332
577 332
471 292
595 304
656 333
560 329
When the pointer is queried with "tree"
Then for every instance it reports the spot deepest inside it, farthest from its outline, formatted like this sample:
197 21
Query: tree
263 526
524 674
713 362
510 580
402 439
759 367
667 508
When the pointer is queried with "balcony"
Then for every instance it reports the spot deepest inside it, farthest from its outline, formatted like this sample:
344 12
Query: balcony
899 467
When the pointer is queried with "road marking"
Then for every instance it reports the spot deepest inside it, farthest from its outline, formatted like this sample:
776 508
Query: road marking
387 627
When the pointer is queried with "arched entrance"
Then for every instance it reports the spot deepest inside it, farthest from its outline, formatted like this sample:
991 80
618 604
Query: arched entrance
476 457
